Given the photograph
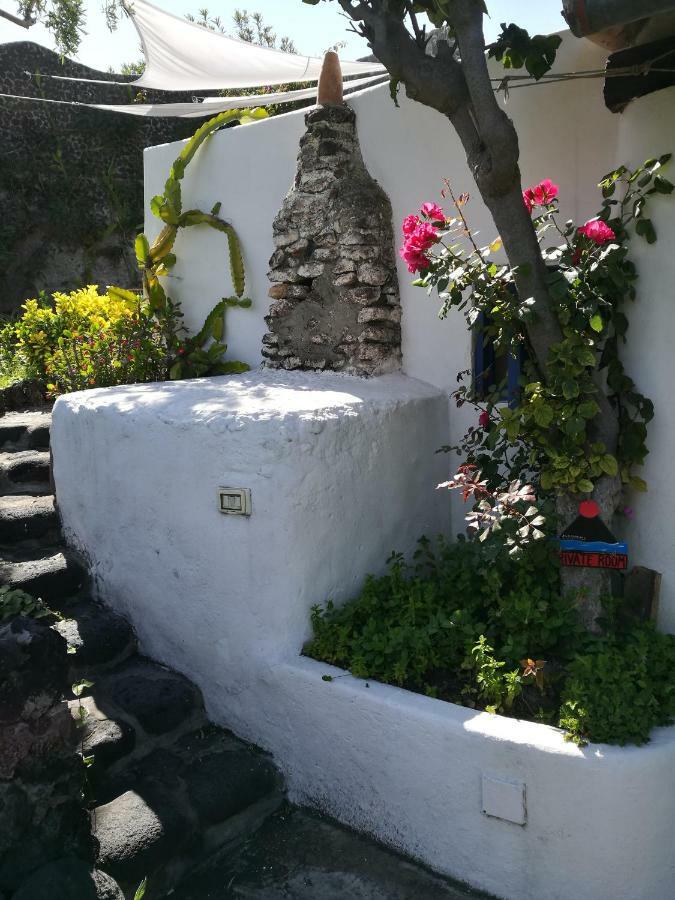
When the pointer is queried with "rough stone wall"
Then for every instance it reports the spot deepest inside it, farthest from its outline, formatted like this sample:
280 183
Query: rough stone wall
335 290
42 818
71 180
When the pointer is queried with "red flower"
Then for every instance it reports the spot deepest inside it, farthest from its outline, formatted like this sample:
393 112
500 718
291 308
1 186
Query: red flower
484 419
540 195
434 212
597 231
409 224
420 239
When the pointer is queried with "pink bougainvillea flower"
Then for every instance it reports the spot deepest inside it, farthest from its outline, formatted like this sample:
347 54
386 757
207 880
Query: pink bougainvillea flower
416 242
597 231
528 199
545 192
414 259
433 211
409 224
540 195
484 419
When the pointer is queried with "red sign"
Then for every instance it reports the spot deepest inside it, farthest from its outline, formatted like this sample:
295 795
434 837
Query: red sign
593 559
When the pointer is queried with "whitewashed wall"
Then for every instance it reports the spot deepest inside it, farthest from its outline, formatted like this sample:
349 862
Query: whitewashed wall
566 133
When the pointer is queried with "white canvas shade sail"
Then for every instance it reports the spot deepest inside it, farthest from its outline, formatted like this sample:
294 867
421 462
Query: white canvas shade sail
184 56
210 106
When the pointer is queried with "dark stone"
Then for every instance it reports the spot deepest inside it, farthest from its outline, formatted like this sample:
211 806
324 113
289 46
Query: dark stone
98 635
41 777
225 783
69 879
33 671
138 833
24 517
54 575
107 740
158 699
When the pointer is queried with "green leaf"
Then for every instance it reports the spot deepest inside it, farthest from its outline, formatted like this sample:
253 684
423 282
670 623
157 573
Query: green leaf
142 248
645 229
588 409
570 389
585 485
596 322
118 293
79 687
543 414
638 484
662 185
609 465
140 890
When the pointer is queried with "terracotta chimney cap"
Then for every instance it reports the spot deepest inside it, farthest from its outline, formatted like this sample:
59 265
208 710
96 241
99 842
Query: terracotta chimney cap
330 80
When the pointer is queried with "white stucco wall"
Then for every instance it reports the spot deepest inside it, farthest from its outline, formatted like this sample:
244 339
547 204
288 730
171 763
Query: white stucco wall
565 132
341 471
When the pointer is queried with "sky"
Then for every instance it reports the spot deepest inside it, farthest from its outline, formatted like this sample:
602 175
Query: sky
312 28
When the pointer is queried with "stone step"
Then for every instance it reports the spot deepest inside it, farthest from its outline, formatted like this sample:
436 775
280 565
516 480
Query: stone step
25 430
53 575
25 472
100 638
205 795
302 855
158 704
25 516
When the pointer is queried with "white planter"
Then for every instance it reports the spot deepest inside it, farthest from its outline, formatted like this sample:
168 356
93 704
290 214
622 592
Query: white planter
341 471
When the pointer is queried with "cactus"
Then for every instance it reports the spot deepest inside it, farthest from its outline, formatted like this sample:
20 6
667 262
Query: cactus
156 259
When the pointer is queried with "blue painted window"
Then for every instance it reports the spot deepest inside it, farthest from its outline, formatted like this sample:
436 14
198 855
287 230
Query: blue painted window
495 368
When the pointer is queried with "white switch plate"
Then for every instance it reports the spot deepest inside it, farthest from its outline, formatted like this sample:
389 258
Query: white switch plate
504 799
234 501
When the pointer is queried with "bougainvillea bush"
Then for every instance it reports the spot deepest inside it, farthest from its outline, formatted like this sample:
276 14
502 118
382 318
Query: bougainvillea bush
488 621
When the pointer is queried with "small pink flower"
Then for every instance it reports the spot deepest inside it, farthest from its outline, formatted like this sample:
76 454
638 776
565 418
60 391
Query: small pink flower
628 512
484 419
409 224
414 259
433 211
416 242
597 231
540 195
528 199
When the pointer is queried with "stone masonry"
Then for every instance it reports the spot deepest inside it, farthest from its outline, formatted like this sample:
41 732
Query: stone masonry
335 293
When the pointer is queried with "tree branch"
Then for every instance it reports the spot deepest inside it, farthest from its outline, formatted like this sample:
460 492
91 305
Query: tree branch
26 22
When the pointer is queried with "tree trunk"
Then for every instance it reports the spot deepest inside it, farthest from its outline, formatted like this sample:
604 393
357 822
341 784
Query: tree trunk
461 90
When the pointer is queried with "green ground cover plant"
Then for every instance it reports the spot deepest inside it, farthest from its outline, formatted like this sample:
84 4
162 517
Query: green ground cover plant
472 623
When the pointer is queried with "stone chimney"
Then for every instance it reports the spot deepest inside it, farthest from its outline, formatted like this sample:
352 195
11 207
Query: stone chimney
335 294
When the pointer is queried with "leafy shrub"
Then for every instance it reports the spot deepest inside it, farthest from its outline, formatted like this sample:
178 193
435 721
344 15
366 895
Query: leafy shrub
470 623
90 339
84 339
621 689
418 625
15 602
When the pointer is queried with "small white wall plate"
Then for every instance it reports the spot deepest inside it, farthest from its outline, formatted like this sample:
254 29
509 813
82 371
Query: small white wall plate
504 799
234 501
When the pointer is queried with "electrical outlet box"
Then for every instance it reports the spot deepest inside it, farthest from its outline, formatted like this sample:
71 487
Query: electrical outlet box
504 799
234 501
